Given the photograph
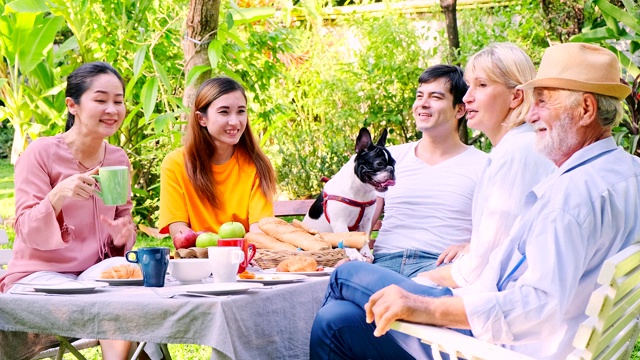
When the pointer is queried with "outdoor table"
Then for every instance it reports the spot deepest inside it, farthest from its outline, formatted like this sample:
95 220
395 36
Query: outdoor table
270 323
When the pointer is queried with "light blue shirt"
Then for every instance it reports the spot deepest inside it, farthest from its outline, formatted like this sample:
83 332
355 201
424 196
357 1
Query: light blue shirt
582 214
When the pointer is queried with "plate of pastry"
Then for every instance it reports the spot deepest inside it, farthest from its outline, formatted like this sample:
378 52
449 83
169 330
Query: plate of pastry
122 275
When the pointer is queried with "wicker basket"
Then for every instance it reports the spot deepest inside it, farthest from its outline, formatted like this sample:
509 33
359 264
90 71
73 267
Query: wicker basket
268 259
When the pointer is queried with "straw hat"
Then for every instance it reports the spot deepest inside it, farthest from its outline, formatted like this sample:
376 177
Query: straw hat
582 67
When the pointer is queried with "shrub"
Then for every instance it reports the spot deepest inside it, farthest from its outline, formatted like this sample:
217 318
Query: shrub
6 139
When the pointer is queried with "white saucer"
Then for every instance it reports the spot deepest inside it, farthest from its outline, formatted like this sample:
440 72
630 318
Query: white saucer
274 279
219 288
71 287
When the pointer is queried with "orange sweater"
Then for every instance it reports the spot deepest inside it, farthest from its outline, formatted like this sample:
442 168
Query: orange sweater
237 186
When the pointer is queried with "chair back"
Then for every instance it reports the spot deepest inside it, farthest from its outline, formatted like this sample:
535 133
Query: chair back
612 329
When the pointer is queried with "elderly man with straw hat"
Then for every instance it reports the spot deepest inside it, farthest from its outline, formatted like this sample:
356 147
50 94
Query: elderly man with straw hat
533 294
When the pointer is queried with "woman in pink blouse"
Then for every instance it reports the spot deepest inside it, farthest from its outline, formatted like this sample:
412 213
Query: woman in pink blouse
62 227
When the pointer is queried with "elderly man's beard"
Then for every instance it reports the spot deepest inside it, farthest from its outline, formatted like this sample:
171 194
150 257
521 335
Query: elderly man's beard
560 141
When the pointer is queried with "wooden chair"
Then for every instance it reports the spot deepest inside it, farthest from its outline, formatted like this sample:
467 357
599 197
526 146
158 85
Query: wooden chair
610 332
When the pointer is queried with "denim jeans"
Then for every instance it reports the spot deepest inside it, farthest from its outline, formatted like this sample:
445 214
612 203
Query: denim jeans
340 331
408 262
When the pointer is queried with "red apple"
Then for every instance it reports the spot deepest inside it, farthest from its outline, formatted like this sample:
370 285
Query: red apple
185 239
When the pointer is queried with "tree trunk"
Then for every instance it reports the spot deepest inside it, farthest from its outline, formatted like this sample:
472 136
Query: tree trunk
449 9
201 28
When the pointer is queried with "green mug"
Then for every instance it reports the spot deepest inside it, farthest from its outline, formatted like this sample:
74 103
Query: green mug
114 184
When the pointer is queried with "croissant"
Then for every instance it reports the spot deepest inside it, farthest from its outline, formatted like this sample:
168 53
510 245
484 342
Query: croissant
123 271
298 263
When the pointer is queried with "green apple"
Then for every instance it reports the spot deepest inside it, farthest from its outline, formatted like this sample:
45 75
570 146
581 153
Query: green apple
231 230
207 239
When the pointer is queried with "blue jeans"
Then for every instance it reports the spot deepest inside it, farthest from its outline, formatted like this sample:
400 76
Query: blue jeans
408 262
340 331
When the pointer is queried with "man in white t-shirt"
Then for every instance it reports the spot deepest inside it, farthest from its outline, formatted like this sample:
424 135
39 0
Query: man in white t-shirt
429 208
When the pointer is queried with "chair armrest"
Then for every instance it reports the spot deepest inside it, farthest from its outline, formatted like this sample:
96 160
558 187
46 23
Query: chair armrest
454 343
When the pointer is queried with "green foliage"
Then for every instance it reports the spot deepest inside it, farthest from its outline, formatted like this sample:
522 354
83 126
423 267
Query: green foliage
29 91
143 43
520 24
6 139
618 29
338 88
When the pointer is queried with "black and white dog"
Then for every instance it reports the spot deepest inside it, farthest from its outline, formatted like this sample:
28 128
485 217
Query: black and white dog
347 202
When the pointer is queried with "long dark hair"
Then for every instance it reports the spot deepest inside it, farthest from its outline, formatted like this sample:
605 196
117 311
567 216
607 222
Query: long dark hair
199 146
79 81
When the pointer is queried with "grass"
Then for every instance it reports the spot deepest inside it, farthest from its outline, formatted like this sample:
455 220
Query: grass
7 200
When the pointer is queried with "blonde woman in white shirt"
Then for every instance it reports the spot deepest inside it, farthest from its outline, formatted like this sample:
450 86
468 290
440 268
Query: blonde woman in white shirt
495 107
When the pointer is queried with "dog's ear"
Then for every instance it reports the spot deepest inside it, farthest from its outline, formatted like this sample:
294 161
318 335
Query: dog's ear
383 138
363 141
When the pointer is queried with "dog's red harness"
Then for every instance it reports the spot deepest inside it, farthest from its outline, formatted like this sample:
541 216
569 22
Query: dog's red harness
362 205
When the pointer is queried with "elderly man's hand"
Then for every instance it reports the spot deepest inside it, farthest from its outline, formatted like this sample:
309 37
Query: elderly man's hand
394 303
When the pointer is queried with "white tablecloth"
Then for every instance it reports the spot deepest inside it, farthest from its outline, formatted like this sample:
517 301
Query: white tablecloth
259 324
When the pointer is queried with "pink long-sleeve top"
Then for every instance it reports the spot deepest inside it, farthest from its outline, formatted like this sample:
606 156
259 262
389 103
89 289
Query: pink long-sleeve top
75 239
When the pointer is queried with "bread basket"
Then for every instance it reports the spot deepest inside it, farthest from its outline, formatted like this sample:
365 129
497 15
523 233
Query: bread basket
268 259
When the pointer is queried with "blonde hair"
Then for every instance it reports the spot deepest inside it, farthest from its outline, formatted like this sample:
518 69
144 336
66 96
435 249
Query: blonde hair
507 64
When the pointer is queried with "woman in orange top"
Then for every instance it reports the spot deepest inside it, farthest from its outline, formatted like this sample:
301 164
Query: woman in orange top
220 174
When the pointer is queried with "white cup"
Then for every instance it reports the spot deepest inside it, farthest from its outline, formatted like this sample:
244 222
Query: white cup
224 262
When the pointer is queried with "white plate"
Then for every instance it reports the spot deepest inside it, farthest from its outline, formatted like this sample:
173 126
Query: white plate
71 287
219 288
327 271
273 279
123 282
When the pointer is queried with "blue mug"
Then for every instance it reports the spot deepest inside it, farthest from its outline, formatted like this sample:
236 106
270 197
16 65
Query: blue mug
153 261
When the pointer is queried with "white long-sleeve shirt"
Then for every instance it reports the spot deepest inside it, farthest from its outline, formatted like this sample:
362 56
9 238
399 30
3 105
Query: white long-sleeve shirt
513 169
582 214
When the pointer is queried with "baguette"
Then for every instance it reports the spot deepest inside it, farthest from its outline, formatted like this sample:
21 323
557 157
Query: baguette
290 234
264 241
299 224
356 239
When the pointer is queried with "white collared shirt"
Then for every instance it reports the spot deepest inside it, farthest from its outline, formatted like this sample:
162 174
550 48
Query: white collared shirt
513 169
582 214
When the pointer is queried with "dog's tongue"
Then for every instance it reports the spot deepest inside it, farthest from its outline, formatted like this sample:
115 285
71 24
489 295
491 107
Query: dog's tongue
388 183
